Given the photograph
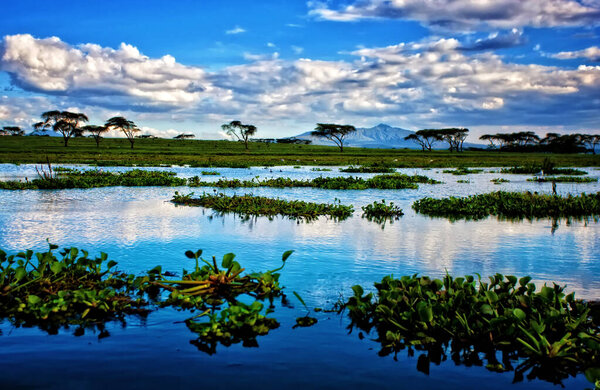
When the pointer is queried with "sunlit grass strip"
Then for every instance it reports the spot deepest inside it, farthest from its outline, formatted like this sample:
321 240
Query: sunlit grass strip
563 179
249 205
66 179
368 169
387 182
510 205
462 171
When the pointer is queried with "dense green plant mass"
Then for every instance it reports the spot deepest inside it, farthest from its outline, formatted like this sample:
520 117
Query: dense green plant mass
462 171
210 173
381 211
96 178
510 205
564 179
550 170
499 180
557 334
392 181
368 169
249 205
71 288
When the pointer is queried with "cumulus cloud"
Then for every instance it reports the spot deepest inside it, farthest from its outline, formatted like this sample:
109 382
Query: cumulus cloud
466 14
591 53
235 30
435 82
91 71
497 41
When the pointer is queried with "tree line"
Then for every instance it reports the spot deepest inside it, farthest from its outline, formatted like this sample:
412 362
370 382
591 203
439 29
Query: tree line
528 141
426 138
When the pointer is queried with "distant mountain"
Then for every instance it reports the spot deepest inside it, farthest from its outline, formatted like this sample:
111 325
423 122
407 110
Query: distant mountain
380 136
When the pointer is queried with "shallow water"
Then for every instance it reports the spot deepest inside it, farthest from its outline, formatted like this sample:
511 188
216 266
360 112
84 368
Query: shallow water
140 228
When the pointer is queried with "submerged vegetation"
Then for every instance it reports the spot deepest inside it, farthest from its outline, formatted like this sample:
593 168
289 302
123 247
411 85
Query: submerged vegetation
510 205
546 334
249 205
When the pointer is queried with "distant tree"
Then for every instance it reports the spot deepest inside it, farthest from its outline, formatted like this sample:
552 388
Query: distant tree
13 130
490 138
184 136
589 140
416 139
454 136
126 126
240 131
333 132
96 132
63 122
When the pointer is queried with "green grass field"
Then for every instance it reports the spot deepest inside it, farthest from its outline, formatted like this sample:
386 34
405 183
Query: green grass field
155 152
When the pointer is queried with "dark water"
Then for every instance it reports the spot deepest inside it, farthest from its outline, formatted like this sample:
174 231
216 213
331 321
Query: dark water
139 228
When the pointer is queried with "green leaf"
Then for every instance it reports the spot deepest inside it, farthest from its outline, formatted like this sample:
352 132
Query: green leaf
227 260
487 309
520 314
111 264
190 254
56 267
358 290
300 299
286 254
33 299
425 312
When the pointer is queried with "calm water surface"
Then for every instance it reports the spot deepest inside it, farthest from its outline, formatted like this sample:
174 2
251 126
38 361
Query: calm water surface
140 228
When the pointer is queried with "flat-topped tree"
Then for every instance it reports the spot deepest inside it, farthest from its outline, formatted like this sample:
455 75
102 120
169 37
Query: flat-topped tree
239 130
425 138
63 122
96 132
589 140
126 126
454 136
333 132
13 130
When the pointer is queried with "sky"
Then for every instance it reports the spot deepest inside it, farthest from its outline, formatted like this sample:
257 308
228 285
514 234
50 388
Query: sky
283 65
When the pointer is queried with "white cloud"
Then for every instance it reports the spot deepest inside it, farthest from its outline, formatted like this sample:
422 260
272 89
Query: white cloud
297 49
591 53
235 30
467 14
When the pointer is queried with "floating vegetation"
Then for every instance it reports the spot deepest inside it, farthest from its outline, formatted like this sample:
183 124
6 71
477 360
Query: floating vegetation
499 181
297 167
321 169
381 212
506 324
392 181
535 169
53 292
462 171
517 205
368 169
210 173
463 181
564 179
248 205
70 288
96 178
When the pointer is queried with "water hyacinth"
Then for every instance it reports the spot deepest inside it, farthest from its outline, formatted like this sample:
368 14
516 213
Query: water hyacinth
517 205
563 179
249 205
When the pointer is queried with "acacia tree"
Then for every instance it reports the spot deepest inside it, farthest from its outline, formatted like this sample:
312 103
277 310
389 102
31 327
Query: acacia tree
13 130
491 138
455 137
63 122
416 139
333 132
96 132
126 126
240 131
589 140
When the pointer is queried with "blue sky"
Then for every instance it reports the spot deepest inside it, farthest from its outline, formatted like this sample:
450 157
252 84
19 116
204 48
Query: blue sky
189 66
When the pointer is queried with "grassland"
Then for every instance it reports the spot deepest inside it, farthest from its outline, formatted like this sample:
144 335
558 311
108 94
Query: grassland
155 152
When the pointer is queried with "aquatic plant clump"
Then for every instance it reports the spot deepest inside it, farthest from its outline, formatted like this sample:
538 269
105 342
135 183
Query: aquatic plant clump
535 169
510 205
96 178
462 171
368 169
499 181
392 181
548 332
249 205
563 179
381 211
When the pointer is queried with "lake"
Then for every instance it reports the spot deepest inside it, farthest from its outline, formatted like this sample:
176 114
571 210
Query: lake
139 228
